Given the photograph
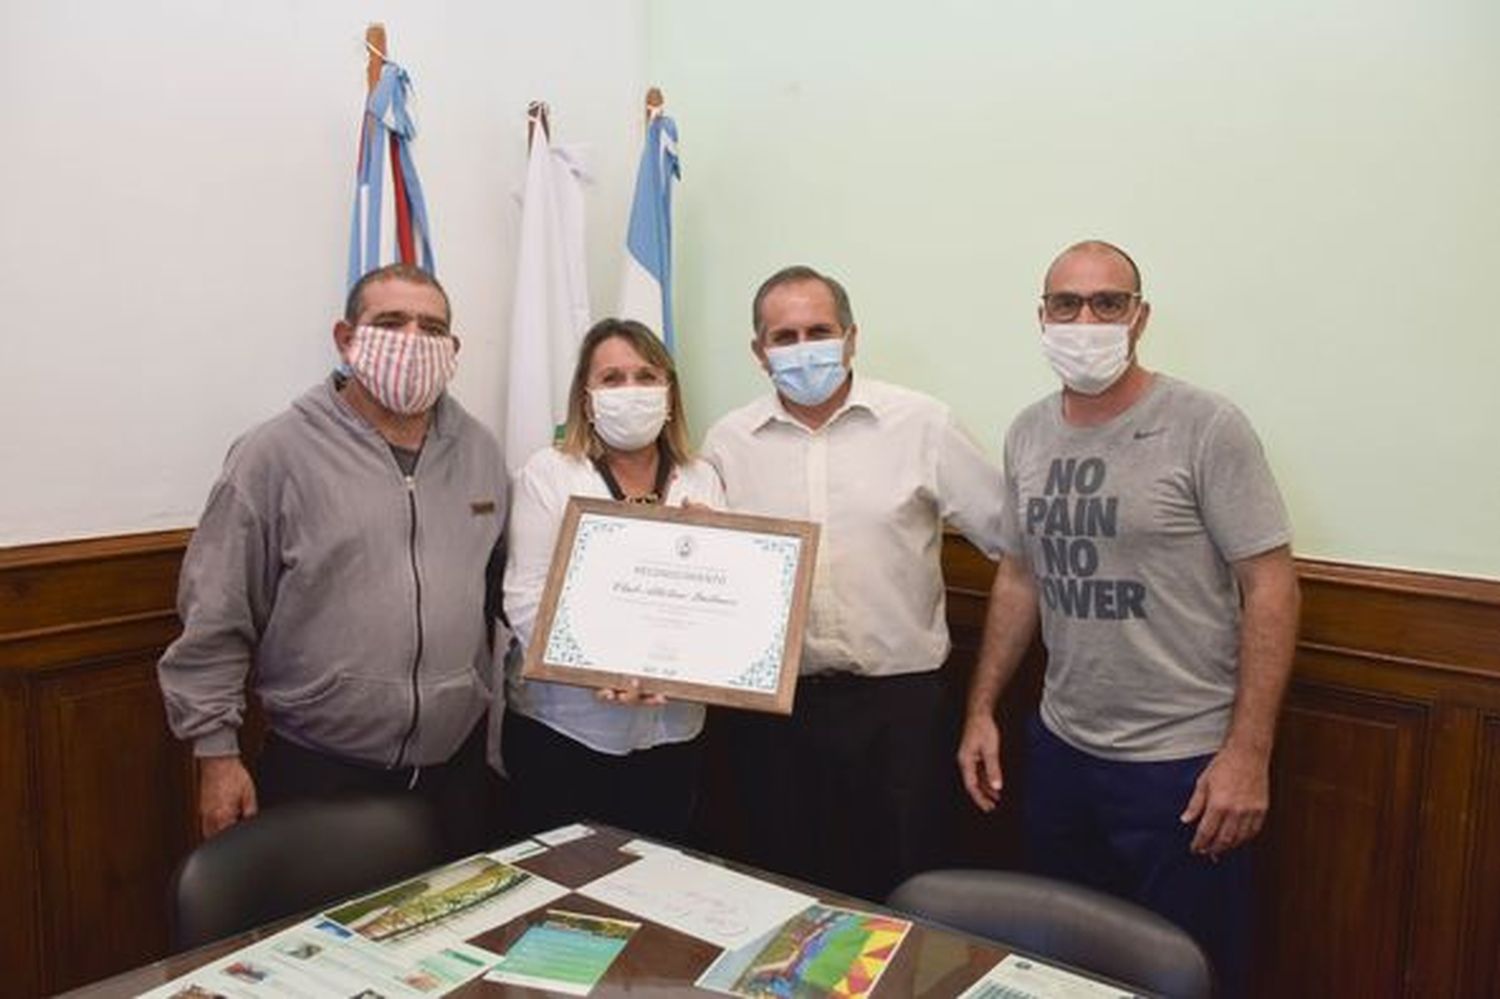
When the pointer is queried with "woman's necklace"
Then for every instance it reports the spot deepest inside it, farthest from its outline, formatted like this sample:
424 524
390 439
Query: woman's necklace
657 493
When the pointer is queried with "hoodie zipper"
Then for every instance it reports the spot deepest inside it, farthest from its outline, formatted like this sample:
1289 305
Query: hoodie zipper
416 661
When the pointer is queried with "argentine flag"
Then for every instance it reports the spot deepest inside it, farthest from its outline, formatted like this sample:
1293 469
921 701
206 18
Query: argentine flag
387 121
646 286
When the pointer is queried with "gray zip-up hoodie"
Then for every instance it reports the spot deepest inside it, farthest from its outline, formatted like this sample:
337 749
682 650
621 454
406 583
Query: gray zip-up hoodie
355 592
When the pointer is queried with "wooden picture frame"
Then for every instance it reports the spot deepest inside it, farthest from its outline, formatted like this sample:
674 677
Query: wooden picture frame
695 604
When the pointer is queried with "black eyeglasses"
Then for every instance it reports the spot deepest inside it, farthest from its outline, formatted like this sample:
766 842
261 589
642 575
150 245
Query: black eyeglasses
1065 306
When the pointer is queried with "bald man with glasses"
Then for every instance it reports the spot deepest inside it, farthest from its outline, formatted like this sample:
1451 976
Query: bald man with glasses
1145 534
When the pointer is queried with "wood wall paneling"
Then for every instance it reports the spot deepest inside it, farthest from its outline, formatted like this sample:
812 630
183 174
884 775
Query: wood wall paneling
1341 843
1481 939
103 811
19 898
1445 623
77 586
104 750
1380 865
1379 868
1433 640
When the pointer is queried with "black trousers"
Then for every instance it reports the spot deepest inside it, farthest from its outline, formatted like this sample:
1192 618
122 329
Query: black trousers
462 791
857 789
555 780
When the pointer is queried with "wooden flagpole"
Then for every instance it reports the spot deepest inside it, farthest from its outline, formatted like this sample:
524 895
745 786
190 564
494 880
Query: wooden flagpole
537 111
375 45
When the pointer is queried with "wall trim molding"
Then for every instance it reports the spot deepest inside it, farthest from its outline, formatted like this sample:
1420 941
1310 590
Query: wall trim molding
93 549
1471 589
1472 617
69 602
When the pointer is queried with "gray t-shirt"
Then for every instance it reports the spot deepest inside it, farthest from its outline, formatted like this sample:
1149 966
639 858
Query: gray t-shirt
1130 529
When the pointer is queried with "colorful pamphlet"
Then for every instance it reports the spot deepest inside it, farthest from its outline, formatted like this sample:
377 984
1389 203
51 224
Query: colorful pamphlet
566 952
821 952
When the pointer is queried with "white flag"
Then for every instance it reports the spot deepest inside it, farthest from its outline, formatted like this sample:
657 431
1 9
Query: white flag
551 311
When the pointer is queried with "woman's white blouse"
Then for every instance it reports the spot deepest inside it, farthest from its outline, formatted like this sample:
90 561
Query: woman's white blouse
540 496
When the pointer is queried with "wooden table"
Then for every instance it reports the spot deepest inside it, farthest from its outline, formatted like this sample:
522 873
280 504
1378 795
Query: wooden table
932 962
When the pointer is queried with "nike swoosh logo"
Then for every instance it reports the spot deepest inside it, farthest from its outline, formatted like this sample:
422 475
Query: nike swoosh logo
1141 435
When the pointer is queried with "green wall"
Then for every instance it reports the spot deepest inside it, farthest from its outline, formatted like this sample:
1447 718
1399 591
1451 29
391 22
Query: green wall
1312 190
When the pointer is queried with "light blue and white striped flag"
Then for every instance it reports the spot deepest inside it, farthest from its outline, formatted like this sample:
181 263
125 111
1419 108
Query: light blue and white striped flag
387 121
646 285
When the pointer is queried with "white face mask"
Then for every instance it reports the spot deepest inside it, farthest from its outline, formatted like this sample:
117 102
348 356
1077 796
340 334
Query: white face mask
627 419
1088 357
808 373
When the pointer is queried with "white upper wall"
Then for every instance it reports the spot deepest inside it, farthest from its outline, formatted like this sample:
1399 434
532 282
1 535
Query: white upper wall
177 182
1312 188
1309 185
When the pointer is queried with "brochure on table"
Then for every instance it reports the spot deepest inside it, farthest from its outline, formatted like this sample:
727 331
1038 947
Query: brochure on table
823 951
319 958
446 906
565 952
406 940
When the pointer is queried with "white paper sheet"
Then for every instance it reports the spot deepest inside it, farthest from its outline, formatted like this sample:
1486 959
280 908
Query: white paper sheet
645 848
700 899
564 834
1019 977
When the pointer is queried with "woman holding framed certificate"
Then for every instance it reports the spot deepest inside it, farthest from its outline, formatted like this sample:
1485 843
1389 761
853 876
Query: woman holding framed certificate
572 752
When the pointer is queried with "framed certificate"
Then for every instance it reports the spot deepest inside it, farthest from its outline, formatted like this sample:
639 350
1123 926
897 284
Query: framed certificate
696 604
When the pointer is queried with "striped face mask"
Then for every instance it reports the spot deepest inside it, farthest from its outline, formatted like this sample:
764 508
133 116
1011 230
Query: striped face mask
405 372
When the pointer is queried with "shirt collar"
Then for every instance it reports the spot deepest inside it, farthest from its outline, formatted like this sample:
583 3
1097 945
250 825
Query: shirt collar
770 409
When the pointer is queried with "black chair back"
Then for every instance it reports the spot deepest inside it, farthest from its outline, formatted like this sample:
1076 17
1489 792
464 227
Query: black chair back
295 857
1064 922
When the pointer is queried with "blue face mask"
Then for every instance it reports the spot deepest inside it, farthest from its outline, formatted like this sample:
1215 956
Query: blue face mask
808 373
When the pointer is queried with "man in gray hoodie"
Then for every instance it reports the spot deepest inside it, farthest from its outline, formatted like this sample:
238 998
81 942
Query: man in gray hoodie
341 565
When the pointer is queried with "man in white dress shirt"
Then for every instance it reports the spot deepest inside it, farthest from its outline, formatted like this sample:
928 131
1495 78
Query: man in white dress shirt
854 790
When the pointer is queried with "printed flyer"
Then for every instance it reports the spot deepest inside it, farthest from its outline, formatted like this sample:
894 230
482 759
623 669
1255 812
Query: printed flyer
566 952
822 952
